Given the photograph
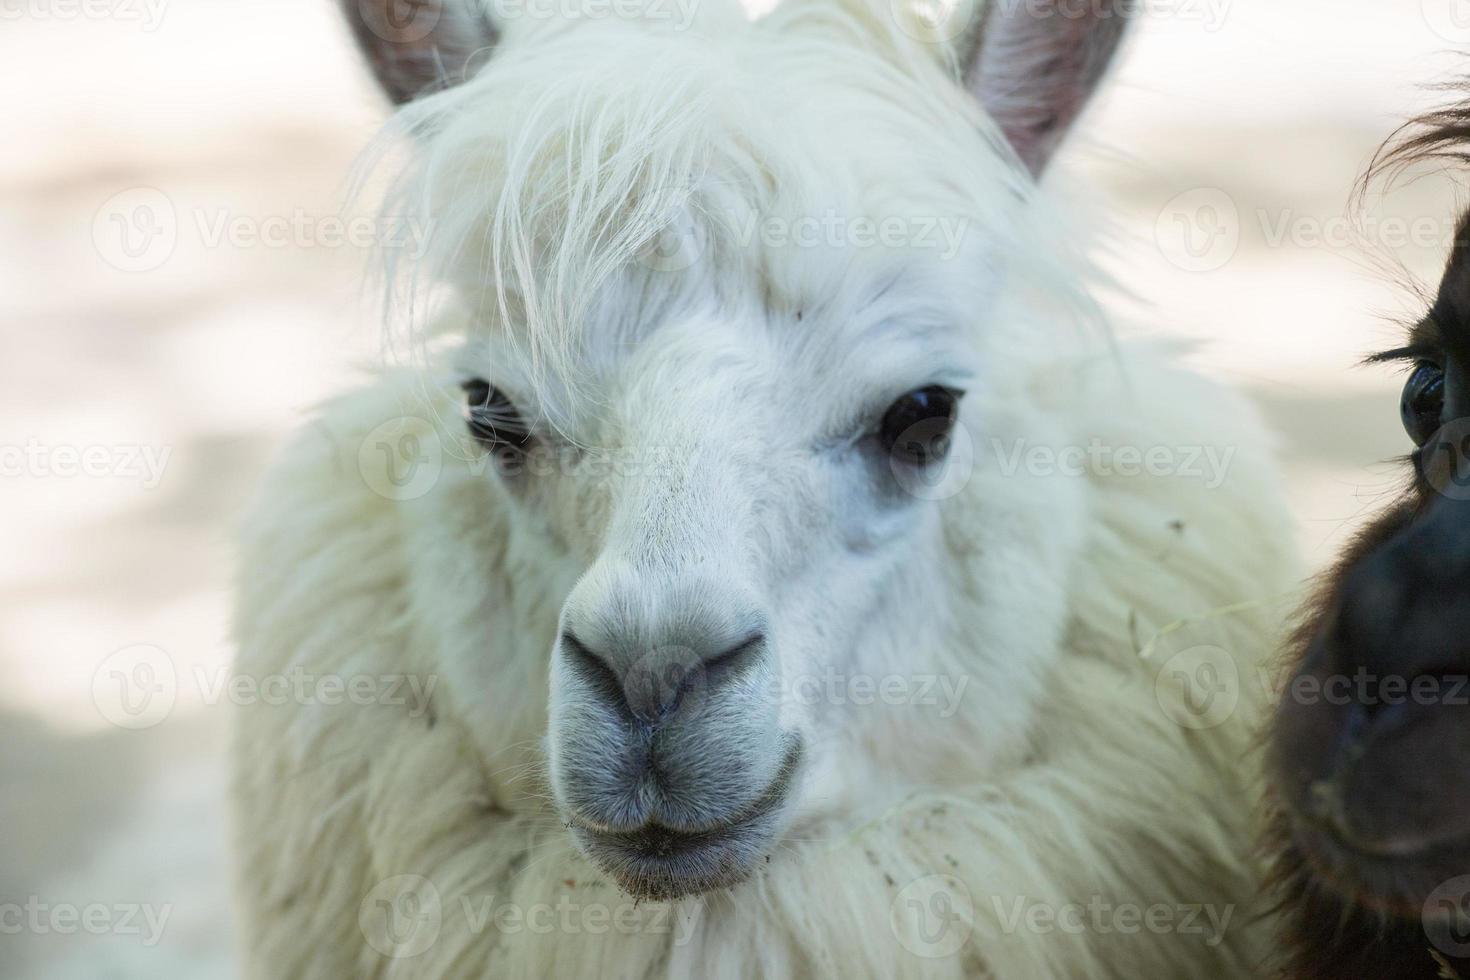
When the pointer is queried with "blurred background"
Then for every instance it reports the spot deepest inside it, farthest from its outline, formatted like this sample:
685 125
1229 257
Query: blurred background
175 294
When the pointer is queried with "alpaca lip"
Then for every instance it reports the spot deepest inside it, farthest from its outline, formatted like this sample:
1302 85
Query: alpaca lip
1346 779
1392 876
1394 883
658 862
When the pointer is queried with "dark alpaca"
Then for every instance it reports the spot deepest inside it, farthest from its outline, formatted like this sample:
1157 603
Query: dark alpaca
1370 747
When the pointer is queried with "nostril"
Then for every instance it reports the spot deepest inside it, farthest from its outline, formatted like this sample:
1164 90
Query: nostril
644 691
738 657
654 687
596 671
683 683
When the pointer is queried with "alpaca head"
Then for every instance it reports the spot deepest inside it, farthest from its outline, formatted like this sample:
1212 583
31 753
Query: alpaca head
731 292
1372 730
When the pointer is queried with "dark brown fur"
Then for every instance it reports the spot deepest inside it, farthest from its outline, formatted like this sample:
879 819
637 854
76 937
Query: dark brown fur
1346 912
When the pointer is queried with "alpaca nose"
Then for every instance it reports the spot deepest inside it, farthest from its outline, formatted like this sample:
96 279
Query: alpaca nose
654 684
657 685
1404 612
664 707
1388 689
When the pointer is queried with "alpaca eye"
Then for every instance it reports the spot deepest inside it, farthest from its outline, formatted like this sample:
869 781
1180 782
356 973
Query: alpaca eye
916 428
492 417
1422 405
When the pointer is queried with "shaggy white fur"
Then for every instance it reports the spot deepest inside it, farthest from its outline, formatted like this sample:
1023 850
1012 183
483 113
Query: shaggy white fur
1072 795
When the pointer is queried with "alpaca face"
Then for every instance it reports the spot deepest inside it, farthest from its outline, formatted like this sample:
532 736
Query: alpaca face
766 507
1375 724
728 356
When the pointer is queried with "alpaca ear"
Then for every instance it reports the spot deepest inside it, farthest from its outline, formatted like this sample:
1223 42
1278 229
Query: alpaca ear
420 46
1034 63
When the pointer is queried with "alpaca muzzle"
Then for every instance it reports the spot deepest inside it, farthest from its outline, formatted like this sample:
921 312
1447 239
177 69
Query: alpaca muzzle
655 861
668 759
1371 728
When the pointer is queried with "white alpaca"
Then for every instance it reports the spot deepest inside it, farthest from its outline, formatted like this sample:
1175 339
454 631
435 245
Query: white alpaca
739 642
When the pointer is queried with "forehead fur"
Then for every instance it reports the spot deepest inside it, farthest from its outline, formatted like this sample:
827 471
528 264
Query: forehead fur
634 159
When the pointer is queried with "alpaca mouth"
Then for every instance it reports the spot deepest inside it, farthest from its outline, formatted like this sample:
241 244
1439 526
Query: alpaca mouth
1392 875
662 863
1389 872
1373 810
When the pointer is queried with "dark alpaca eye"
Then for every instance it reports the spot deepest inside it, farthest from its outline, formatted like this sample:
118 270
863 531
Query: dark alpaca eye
492 417
1422 405
916 428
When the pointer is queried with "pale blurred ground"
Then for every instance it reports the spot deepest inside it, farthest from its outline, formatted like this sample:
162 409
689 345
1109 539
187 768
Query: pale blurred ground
256 109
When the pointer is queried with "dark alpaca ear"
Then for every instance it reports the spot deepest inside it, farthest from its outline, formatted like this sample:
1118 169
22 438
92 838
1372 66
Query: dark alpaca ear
420 46
1033 64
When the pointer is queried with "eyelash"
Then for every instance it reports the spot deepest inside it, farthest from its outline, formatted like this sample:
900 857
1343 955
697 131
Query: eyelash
1409 357
492 417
